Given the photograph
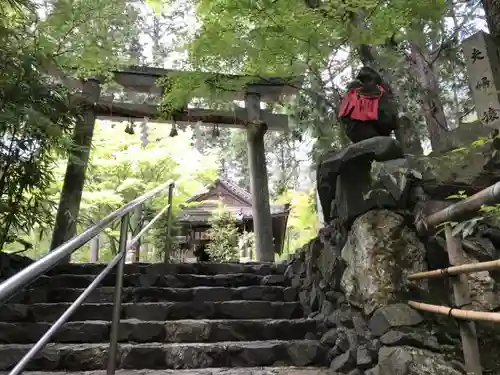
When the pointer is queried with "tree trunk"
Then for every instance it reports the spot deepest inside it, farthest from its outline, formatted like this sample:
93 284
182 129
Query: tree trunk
427 77
74 179
457 114
492 11
157 61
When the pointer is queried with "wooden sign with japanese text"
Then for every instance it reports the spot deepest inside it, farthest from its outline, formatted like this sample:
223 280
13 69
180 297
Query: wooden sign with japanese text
482 57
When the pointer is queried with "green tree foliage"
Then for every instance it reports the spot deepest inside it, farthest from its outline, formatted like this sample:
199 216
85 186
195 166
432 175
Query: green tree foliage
319 40
322 40
224 237
35 119
35 129
303 222
119 171
91 36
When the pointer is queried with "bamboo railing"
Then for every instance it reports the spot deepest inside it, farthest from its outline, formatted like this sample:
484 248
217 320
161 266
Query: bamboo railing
458 273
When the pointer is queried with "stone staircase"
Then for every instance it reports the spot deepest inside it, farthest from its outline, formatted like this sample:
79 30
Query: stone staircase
196 319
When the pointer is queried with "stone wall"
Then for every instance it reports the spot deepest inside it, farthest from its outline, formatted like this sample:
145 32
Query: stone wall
357 288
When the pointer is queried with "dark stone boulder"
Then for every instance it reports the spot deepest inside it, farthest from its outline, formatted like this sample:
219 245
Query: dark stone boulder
380 253
470 168
406 360
481 248
393 316
10 264
415 337
364 357
343 362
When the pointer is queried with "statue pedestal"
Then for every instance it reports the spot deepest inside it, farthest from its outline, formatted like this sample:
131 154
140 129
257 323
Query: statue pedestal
344 179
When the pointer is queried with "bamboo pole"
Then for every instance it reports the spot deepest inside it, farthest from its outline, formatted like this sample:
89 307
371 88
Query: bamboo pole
457 313
457 270
460 284
464 209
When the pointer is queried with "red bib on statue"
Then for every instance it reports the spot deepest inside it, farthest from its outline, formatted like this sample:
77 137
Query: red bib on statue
361 104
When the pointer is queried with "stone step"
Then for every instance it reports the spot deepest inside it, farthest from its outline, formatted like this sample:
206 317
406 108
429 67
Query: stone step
157 294
175 331
234 280
175 268
84 357
162 311
206 371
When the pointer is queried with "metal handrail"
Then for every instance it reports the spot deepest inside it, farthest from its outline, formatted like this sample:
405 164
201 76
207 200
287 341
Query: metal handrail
22 279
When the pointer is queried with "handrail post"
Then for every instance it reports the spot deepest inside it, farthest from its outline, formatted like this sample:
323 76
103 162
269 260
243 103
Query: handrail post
168 249
460 284
117 303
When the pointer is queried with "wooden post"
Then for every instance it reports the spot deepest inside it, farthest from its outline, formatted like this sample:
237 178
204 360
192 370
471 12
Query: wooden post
137 217
136 224
461 293
74 179
259 186
168 250
136 221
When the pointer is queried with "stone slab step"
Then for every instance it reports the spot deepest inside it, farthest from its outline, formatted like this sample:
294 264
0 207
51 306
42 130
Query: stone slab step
207 371
85 357
234 280
157 294
161 311
179 268
175 331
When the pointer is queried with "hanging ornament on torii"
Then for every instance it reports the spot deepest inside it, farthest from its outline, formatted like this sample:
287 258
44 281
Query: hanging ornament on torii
145 132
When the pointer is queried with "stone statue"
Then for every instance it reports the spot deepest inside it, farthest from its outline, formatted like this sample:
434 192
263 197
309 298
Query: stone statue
368 109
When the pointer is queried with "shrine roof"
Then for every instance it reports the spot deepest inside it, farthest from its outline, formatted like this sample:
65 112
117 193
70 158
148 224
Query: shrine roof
202 213
211 197
233 189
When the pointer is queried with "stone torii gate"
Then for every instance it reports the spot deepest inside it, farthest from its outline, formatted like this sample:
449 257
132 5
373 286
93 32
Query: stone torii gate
144 80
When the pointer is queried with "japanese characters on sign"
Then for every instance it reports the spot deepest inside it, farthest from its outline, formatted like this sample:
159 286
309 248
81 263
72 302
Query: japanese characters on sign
482 54
489 115
476 55
483 84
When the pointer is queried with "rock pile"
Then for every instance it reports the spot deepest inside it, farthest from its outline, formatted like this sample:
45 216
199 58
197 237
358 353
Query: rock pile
360 261
356 292
373 174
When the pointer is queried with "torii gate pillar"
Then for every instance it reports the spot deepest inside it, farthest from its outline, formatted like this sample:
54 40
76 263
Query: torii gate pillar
259 185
